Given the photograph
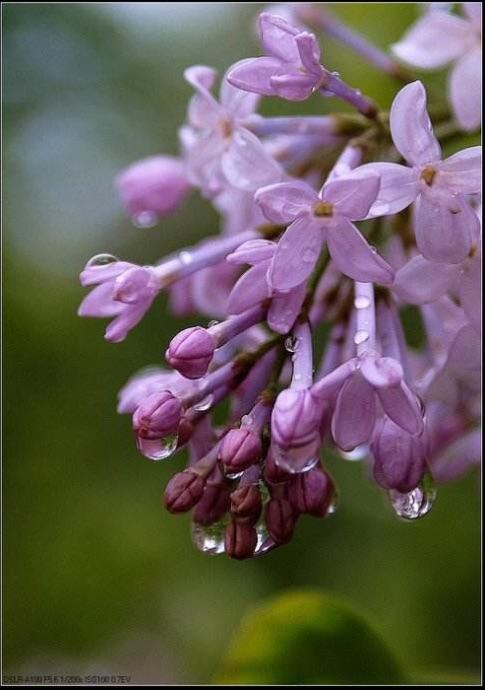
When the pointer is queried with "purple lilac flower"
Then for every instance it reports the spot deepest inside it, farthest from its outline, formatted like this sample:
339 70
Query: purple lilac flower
318 218
242 394
440 38
292 68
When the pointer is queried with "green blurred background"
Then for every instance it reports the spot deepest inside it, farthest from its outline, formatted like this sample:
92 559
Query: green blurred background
97 578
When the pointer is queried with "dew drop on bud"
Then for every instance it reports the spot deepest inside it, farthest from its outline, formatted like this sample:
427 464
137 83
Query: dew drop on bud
355 455
212 323
144 219
158 449
264 543
209 538
334 504
416 503
102 260
204 404
185 258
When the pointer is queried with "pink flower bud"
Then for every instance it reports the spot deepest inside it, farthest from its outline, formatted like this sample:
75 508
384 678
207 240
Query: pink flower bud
157 416
281 518
155 186
311 492
246 503
240 540
191 352
240 449
183 491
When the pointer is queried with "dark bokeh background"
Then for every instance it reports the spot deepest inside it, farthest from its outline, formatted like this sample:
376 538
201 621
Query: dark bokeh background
97 579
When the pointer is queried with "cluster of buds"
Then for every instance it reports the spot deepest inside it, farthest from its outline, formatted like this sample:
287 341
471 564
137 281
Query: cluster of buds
290 264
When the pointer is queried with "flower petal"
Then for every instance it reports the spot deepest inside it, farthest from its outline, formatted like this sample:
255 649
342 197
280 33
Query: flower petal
470 292
254 74
354 257
247 165
353 194
465 90
421 281
355 413
462 172
381 372
285 308
443 235
252 252
473 11
411 127
403 407
251 289
293 86
399 187
282 203
434 40
238 103
99 303
297 253
278 37
309 52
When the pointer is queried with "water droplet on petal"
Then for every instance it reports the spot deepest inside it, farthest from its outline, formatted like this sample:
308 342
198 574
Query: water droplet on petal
185 257
361 302
212 323
102 260
360 337
144 219
209 538
264 542
355 455
204 404
309 255
246 420
416 503
295 461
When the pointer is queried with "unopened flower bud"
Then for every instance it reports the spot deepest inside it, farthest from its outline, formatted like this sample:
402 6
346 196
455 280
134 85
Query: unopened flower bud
240 540
191 352
213 505
311 492
240 448
295 427
155 185
246 503
183 491
273 473
280 518
157 416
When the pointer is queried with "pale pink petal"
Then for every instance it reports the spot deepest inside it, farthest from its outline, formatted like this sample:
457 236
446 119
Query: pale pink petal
282 203
399 187
99 303
403 407
421 281
355 413
470 292
462 172
293 86
466 91
411 127
252 252
278 37
238 103
458 458
246 163
352 195
297 253
443 235
309 53
381 372
251 289
285 308
204 110
434 40
254 74
354 257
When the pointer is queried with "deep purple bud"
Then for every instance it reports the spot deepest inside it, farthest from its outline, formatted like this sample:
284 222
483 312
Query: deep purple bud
273 473
399 457
183 491
311 492
240 449
280 518
155 186
213 505
190 352
246 503
240 540
157 416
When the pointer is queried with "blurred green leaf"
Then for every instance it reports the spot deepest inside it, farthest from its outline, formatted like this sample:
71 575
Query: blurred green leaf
305 637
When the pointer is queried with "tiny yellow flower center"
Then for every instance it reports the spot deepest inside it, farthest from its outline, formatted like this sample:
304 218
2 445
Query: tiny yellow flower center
428 174
324 209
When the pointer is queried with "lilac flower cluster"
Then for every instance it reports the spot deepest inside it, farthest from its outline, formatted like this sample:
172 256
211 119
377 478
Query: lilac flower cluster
330 224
